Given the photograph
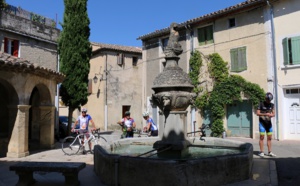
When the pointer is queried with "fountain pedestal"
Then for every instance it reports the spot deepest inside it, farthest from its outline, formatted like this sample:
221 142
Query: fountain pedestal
173 144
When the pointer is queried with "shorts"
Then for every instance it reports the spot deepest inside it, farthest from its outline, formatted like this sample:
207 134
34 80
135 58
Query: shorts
265 127
154 132
85 132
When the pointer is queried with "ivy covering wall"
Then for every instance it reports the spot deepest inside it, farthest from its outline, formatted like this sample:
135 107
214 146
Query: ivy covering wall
226 89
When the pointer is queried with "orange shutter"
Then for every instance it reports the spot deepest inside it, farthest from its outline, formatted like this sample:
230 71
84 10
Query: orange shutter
16 48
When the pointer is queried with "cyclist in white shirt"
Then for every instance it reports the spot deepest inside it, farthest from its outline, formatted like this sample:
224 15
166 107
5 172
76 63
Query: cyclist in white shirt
83 121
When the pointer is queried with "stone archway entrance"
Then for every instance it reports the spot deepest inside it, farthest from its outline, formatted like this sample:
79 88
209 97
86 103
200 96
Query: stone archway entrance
41 119
8 112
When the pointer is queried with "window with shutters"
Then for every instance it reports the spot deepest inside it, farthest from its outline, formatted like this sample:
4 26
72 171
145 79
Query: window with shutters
291 50
238 59
205 35
120 59
11 46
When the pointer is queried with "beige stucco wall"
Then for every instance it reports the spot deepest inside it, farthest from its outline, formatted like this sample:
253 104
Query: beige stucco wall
250 31
121 86
285 14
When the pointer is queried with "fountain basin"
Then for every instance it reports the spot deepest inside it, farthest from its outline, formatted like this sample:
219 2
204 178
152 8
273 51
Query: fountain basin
130 169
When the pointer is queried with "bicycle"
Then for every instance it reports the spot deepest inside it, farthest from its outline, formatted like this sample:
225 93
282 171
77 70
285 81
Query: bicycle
71 145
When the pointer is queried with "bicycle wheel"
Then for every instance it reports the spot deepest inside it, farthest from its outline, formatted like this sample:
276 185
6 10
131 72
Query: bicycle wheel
71 145
98 141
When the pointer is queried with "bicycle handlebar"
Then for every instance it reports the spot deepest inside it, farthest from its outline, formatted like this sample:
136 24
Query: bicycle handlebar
84 130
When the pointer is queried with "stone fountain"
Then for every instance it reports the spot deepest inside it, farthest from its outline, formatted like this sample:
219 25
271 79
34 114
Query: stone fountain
170 158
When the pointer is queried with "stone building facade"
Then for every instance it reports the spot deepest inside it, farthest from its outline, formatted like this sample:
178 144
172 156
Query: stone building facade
27 109
28 82
249 37
115 84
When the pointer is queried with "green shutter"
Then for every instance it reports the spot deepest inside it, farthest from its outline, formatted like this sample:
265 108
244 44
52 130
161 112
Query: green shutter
201 36
296 50
285 47
234 60
209 34
242 62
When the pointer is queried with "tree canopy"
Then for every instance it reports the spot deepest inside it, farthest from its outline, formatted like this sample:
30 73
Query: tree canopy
75 51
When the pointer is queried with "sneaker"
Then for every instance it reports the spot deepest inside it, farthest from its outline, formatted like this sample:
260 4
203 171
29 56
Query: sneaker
261 154
271 154
83 152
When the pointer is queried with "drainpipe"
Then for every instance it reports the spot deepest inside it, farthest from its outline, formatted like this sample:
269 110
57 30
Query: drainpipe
57 100
105 107
193 110
274 68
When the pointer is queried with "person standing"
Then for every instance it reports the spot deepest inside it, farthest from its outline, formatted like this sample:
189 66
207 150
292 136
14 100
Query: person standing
265 111
83 121
150 125
127 124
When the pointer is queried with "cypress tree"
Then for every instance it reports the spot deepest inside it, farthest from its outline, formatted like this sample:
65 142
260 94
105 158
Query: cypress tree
74 51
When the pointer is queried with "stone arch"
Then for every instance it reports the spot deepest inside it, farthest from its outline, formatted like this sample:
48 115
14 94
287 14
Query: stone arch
39 116
8 103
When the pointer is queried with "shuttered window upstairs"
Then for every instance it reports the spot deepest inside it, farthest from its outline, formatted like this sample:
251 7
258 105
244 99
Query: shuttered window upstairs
205 35
238 59
291 50
11 46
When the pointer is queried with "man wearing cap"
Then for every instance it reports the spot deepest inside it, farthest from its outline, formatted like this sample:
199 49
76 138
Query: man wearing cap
83 122
151 126
265 111
128 123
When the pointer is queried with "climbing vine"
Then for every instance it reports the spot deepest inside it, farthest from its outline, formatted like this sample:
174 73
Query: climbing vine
194 74
226 89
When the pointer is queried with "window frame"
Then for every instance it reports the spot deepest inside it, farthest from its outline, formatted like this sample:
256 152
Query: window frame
291 51
164 43
205 35
121 59
230 22
238 59
12 46
134 61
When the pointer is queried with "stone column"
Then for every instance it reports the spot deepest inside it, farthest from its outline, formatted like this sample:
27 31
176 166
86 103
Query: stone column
47 126
18 144
173 136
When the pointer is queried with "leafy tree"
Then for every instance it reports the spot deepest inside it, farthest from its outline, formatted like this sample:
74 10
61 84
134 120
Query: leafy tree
2 4
75 51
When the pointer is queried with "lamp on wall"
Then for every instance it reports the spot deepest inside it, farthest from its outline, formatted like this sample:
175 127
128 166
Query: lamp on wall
95 79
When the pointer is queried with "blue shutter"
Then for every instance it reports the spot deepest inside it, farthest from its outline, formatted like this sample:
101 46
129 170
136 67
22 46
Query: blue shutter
296 50
285 47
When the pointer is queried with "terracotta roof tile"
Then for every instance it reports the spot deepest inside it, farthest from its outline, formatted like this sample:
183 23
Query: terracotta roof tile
12 63
117 47
240 6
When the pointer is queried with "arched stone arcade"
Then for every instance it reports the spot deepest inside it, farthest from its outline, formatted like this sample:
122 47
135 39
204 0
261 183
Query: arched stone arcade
27 106
8 101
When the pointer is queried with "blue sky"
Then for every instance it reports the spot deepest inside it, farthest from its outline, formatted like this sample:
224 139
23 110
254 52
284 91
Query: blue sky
121 22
